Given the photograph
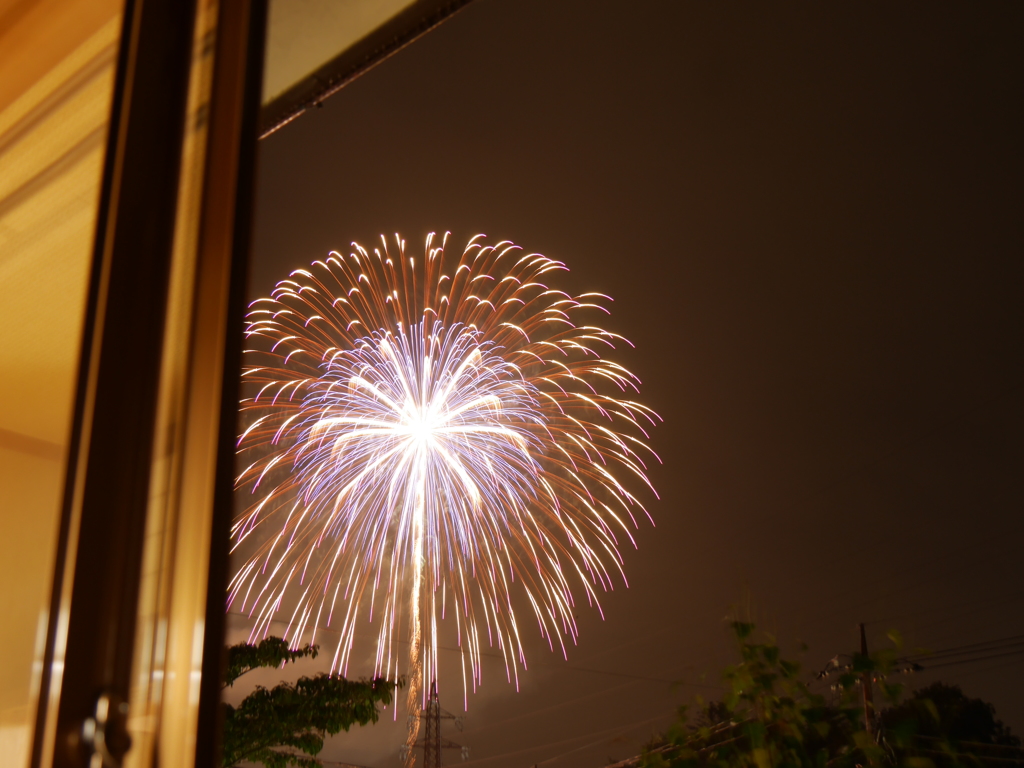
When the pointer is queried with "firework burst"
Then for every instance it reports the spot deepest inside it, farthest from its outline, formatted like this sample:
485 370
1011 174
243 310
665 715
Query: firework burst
433 438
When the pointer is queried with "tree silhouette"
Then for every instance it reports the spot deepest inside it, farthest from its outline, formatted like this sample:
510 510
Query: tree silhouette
950 728
286 725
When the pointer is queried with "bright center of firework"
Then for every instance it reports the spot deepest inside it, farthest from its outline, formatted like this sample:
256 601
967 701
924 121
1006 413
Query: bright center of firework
425 410
421 425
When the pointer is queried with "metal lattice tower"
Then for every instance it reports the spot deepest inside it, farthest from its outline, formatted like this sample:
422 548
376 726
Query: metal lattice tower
432 736
432 741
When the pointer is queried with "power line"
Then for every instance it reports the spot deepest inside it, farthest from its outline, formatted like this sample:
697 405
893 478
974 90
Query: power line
983 670
615 729
644 678
536 712
972 756
972 661
541 664
962 743
969 648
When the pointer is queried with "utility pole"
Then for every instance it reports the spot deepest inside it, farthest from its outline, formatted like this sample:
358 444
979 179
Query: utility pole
432 742
869 699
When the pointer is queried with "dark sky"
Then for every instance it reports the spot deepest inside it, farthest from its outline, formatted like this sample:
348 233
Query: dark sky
811 219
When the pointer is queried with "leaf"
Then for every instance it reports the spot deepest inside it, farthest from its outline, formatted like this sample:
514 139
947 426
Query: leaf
789 668
271 652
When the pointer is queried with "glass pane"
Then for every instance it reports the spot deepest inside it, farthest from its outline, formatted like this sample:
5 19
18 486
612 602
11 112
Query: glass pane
57 71
301 36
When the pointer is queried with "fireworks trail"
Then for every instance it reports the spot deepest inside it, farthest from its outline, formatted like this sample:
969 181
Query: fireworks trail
433 438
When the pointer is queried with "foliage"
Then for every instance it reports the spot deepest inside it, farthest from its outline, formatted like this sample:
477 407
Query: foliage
951 729
286 725
271 652
944 710
769 717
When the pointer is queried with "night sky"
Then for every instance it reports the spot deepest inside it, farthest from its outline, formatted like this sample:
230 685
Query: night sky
811 219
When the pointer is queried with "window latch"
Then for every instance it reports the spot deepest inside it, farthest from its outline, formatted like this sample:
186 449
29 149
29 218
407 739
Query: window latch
106 732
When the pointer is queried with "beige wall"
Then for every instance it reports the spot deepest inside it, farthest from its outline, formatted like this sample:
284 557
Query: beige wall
56 75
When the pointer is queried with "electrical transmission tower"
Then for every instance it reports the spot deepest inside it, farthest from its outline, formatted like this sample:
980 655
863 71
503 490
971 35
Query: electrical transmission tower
432 742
